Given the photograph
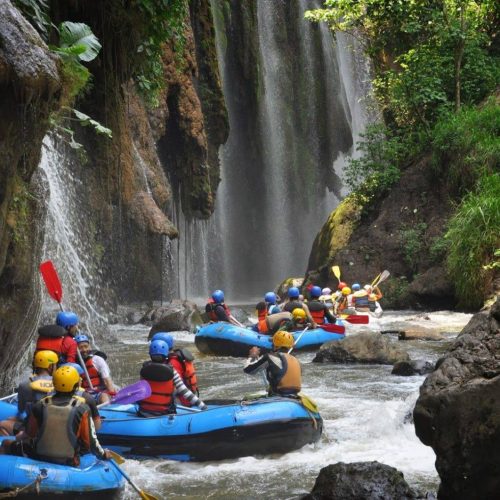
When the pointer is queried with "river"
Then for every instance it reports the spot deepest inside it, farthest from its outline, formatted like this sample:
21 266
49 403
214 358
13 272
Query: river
365 411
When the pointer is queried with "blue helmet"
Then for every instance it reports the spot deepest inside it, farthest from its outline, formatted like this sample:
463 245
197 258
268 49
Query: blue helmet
218 296
81 338
76 366
158 347
293 292
315 292
67 319
270 298
165 337
355 287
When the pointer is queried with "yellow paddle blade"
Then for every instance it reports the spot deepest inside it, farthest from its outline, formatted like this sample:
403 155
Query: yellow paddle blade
147 496
336 272
42 385
117 458
308 403
375 281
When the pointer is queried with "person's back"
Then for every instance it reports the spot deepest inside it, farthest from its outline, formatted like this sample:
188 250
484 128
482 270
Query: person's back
160 377
283 371
318 309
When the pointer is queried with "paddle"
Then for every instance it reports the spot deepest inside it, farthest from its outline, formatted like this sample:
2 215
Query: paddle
9 396
142 493
336 272
308 403
332 328
130 394
357 319
54 287
380 278
116 457
298 338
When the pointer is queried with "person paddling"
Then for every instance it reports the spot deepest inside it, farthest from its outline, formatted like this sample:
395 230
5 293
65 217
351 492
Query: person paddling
182 362
217 310
298 321
319 310
267 306
283 371
60 427
98 370
165 384
294 302
32 390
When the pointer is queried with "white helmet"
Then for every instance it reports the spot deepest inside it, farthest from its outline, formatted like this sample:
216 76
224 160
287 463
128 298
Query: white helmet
367 287
326 291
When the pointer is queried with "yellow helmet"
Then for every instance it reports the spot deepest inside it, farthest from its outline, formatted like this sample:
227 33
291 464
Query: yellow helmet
299 313
65 379
43 359
283 339
346 291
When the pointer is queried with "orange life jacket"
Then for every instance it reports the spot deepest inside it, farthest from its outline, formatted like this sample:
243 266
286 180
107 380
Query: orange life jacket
95 378
211 311
185 368
160 378
262 313
317 310
291 381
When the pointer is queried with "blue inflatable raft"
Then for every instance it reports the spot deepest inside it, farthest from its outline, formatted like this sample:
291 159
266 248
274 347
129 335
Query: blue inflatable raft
230 430
225 339
93 478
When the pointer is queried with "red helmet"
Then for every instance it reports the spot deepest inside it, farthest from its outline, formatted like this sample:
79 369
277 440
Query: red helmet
342 285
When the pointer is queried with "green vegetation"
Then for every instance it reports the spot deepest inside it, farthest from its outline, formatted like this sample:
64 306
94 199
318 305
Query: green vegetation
413 243
163 22
37 13
434 64
466 145
474 239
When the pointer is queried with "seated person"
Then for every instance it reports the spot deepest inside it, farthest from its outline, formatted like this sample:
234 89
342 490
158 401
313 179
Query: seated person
282 370
60 427
165 382
98 371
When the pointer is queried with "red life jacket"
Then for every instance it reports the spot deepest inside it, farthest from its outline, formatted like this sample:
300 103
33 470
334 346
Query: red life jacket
262 313
49 344
94 376
211 309
160 377
317 310
185 368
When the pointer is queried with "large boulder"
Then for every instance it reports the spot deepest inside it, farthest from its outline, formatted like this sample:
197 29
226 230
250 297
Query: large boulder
362 348
360 481
458 411
420 334
176 316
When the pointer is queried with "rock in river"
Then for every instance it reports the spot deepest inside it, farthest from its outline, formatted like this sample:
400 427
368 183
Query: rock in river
458 411
178 315
362 348
408 368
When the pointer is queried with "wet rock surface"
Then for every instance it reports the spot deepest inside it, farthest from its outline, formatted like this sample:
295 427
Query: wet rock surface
409 368
360 481
458 411
420 334
370 348
176 316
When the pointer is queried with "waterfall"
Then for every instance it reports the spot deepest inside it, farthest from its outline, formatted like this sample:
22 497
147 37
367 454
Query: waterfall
67 242
295 100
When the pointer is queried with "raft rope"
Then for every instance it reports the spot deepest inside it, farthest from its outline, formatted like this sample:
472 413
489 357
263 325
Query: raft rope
36 483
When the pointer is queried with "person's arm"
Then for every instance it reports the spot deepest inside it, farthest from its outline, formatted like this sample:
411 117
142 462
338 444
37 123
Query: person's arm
377 293
309 317
87 435
94 411
70 347
255 363
220 312
104 372
183 392
328 315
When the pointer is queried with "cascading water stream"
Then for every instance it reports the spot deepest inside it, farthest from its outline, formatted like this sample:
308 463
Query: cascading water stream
295 110
66 243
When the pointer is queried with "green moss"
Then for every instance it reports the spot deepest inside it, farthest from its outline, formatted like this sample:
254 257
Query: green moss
20 212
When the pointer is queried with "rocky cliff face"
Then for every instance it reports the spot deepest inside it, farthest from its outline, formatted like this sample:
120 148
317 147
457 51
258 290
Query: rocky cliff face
29 91
128 194
458 411
398 233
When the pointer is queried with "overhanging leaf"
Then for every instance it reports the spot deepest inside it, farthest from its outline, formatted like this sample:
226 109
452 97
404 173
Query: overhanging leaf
79 35
85 120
